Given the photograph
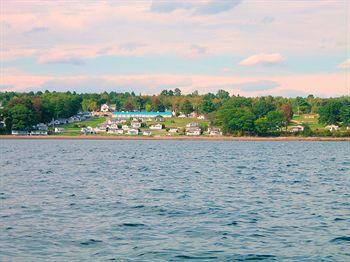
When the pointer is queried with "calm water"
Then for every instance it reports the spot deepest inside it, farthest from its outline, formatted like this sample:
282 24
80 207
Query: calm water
173 200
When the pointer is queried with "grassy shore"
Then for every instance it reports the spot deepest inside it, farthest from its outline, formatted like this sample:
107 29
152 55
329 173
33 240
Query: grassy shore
183 138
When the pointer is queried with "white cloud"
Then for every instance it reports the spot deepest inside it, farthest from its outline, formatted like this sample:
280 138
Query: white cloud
345 64
262 59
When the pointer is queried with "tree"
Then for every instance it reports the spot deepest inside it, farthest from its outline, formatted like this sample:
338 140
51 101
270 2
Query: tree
148 108
287 112
236 120
22 117
186 107
222 94
262 107
208 105
302 105
88 105
177 92
272 122
330 112
345 114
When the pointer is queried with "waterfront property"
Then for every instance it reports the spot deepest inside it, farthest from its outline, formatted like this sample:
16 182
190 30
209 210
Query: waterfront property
142 114
332 128
115 131
173 130
213 131
297 128
19 133
133 132
38 133
156 127
147 133
135 124
193 131
192 125
59 130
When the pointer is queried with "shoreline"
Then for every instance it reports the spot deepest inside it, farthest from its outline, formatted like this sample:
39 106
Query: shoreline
179 138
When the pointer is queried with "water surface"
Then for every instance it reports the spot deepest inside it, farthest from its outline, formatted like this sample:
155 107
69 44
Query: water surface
174 200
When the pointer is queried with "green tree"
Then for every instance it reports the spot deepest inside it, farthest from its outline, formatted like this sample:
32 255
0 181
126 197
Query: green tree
22 117
345 114
236 120
186 107
330 112
222 94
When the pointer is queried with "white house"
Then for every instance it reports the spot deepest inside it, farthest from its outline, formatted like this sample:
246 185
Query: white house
156 127
201 117
193 131
38 133
104 108
173 130
41 126
133 131
19 133
115 131
212 131
182 115
101 128
332 128
87 130
125 127
59 130
135 124
147 133
192 125
295 129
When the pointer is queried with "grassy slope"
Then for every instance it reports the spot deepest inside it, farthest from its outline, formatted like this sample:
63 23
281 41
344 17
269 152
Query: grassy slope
72 130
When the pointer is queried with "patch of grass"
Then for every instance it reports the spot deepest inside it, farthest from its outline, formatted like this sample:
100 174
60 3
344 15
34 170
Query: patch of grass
73 129
309 119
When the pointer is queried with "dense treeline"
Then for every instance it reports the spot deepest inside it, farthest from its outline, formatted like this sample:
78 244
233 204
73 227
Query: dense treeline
235 114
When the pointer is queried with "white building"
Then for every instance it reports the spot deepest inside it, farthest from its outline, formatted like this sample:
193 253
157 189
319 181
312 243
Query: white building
133 131
135 124
193 131
332 128
41 126
295 129
182 115
173 130
213 131
101 128
201 117
156 127
147 133
87 130
38 133
104 108
192 125
125 127
59 130
19 133
115 131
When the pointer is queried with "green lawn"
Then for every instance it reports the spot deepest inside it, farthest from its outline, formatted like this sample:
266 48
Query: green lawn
74 128
309 119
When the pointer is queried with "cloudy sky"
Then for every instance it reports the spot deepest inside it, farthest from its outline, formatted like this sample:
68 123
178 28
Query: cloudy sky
248 47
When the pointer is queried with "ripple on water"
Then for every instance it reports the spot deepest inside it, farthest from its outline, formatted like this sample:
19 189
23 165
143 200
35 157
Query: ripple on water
174 200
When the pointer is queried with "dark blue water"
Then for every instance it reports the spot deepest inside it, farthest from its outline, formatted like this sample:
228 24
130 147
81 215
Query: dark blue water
173 200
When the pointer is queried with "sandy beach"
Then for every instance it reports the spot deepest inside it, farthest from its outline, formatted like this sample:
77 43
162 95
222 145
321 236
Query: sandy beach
180 138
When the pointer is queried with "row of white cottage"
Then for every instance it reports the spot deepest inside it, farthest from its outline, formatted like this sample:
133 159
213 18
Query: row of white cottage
111 127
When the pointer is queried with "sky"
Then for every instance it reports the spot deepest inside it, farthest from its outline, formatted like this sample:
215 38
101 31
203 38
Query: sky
247 47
